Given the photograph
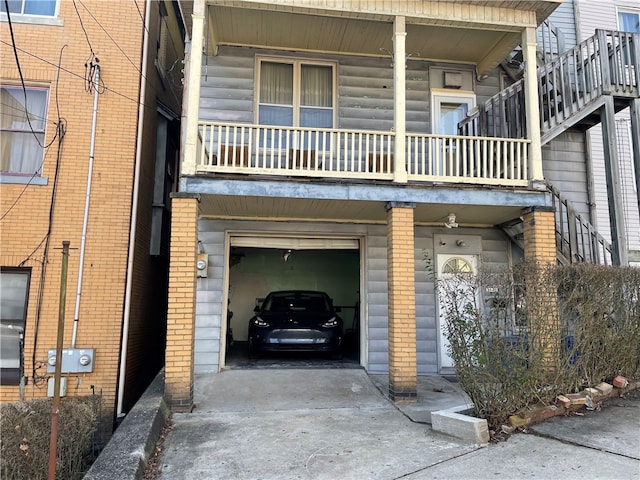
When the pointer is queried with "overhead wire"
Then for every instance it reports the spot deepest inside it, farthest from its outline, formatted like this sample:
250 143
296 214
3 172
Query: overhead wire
24 88
81 77
60 131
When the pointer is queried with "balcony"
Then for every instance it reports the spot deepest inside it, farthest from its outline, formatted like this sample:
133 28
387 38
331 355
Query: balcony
360 155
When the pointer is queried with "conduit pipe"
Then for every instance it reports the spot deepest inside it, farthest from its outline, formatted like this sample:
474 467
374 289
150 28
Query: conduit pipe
85 221
134 214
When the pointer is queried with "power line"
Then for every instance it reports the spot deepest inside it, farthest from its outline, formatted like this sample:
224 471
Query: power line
61 130
24 88
81 77
112 39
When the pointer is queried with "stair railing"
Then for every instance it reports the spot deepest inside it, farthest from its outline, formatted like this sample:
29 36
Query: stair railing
606 63
577 240
550 41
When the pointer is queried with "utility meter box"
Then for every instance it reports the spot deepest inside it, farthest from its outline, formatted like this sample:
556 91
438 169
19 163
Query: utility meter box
63 387
74 360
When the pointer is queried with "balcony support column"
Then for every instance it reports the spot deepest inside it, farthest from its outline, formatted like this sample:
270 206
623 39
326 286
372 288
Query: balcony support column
399 99
635 135
193 68
532 109
403 376
619 247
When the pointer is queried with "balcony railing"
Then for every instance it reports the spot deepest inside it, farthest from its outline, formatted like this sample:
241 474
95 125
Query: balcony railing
359 154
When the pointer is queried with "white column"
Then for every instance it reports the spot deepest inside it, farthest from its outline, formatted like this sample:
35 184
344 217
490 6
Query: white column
531 104
192 88
399 99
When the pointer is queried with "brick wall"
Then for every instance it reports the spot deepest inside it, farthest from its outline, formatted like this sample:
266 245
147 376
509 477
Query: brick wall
182 300
116 41
540 249
402 303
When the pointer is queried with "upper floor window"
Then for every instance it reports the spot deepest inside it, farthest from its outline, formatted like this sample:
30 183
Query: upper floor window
45 8
22 129
296 93
14 291
629 21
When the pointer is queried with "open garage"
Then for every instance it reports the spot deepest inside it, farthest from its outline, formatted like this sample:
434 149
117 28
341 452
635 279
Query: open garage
259 265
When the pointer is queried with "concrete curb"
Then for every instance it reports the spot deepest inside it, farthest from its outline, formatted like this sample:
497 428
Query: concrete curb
125 456
452 422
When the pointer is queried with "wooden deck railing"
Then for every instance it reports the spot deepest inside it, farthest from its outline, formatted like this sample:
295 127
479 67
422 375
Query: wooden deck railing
577 240
359 154
568 85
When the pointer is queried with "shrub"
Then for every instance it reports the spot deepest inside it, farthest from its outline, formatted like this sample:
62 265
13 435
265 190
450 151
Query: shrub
25 433
521 336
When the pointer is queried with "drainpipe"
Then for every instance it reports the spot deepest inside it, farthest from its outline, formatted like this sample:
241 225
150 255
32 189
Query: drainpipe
134 217
85 221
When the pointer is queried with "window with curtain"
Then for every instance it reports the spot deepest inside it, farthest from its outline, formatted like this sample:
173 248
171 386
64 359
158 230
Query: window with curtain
296 94
14 291
22 129
31 7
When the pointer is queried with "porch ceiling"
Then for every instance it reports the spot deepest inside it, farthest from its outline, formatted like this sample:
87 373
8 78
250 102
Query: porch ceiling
363 211
480 33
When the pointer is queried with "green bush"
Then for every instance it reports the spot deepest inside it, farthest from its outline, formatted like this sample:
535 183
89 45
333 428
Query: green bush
521 336
25 434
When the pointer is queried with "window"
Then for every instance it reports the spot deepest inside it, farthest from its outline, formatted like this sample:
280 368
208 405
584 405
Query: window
448 109
45 8
14 290
629 21
296 94
22 137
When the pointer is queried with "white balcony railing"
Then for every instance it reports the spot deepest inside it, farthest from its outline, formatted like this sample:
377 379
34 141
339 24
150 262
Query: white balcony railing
359 154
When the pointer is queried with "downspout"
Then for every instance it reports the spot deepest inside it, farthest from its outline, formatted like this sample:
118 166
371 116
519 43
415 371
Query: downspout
134 217
85 220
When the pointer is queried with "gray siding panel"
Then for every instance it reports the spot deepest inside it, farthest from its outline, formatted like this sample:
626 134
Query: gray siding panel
209 306
563 18
365 90
564 164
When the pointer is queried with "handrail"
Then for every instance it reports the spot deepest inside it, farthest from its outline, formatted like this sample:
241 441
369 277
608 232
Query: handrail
577 240
606 63
550 41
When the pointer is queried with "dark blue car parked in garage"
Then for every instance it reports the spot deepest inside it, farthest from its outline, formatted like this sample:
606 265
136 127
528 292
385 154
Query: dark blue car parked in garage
296 320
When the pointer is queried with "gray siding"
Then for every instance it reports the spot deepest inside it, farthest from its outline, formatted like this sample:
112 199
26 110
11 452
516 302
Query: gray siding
209 300
364 89
593 15
564 18
564 164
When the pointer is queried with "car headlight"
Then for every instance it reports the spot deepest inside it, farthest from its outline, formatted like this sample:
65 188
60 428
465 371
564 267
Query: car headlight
333 322
258 322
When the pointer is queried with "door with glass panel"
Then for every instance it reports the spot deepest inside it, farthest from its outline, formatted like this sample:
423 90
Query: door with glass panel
449 268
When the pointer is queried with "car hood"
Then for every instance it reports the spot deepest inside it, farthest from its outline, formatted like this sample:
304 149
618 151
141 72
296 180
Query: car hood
297 319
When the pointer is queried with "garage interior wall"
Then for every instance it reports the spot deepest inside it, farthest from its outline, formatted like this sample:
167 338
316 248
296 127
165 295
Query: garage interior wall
258 271
495 250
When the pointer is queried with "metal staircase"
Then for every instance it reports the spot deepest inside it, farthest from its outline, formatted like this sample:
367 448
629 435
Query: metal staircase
573 88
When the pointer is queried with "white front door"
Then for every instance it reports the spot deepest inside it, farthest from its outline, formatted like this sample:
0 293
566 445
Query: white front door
448 265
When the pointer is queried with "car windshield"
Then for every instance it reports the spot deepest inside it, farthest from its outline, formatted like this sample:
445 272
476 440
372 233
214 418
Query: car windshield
296 302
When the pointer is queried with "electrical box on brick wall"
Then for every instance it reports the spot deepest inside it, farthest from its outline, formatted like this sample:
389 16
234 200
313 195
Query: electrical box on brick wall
74 360
51 384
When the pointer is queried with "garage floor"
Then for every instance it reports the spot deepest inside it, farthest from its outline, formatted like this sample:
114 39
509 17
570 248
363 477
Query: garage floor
238 358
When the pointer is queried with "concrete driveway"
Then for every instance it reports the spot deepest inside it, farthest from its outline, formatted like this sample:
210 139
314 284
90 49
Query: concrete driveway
287 424
338 424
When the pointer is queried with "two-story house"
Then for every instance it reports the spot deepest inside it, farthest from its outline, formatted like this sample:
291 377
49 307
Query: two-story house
90 114
362 147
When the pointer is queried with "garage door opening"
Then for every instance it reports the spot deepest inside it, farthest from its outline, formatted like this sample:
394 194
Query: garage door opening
254 272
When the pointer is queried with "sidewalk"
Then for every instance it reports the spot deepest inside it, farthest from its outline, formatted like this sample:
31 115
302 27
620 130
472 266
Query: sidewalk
338 424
